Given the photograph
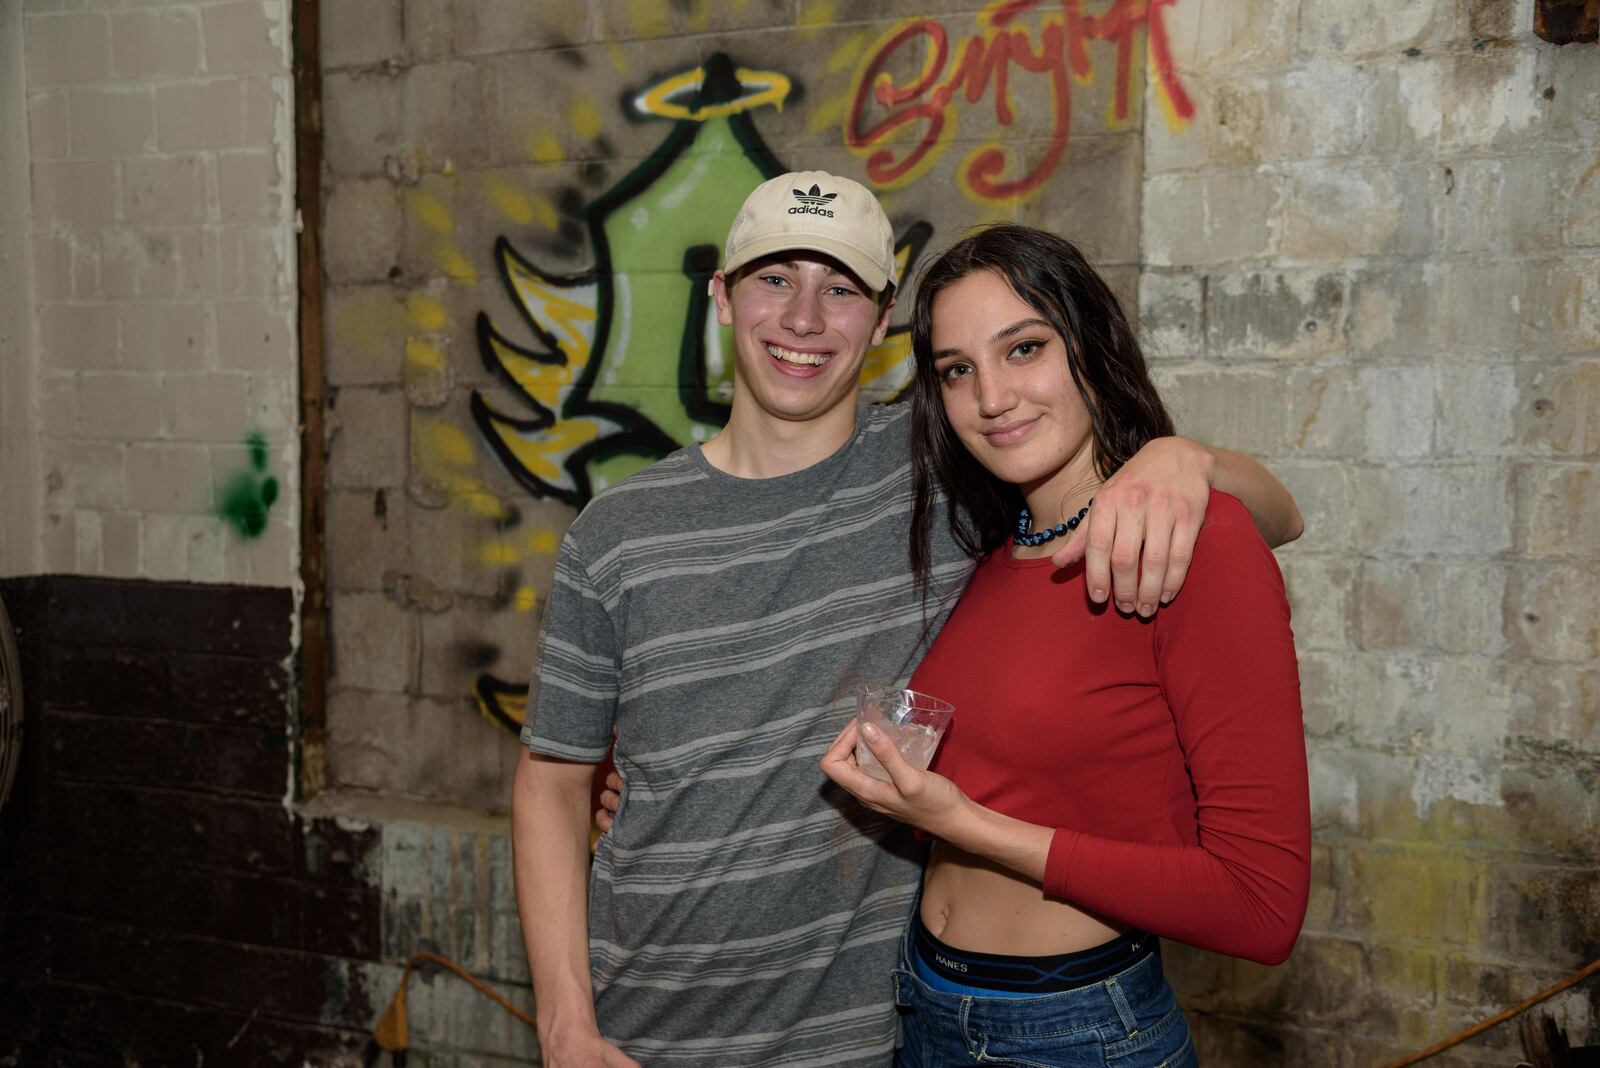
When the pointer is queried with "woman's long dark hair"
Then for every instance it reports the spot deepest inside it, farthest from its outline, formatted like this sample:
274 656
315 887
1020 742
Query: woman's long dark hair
1125 411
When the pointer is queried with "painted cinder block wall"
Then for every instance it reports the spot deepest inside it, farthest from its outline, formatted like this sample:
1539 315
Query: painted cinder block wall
1364 249
1362 239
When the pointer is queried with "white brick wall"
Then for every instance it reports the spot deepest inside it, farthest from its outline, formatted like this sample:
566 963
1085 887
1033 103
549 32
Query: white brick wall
160 139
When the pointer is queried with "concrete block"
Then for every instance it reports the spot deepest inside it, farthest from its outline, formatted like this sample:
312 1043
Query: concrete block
1544 910
1251 33
1325 411
170 478
76 196
1493 305
193 116
166 191
1293 314
462 553
63 49
1559 408
1516 203
1102 171
1477 410
367 439
1574 289
1548 612
112 122
1456 509
1326 492
1374 27
1339 211
1238 408
60 542
246 38
255 335
119 406
212 406
58 405
478 635
1558 509
1493 100
52 268
1576 84
1448 607
250 188
367 331
437 95
360 33
367 538
160 43
1442 899
1212 218
79 474
431 750
364 116
254 261
268 109
185 548
1325 108
273 402
1321 599
363 230
1400 410
119 545
1554 814
79 335
86 531
166 336
374 643
619 20
1228 128
49 127
1556 703
510 26
1171 314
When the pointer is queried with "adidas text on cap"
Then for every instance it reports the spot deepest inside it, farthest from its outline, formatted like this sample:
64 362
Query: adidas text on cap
818 212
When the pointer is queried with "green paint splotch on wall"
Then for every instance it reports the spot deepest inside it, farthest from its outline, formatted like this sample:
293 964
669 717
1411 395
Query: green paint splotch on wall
247 496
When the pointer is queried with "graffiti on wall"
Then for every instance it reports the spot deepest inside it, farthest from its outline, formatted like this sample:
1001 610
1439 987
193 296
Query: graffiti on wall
625 362
246 497
981 67
602 370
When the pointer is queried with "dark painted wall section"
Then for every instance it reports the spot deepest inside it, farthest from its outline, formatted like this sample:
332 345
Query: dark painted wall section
157 902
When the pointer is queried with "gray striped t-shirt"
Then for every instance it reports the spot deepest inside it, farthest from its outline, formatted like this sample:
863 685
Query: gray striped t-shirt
744 911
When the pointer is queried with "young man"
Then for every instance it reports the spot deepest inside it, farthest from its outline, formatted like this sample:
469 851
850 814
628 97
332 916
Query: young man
716 610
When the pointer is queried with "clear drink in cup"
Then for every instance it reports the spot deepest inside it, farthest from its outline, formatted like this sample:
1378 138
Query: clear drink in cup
913 721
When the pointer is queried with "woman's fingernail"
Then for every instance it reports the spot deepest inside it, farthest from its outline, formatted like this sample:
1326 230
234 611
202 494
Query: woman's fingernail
869 732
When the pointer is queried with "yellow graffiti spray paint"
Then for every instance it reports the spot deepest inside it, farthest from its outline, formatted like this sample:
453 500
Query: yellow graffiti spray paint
586 121
544 149
426 313
430 211
509 201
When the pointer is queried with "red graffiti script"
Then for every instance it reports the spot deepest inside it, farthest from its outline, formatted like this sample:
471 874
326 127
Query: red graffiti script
984 63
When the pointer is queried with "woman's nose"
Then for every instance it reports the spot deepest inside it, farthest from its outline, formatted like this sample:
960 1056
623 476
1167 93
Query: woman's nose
994 397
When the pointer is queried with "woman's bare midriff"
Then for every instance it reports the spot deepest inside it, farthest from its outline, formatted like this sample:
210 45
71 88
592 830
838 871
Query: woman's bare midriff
970 903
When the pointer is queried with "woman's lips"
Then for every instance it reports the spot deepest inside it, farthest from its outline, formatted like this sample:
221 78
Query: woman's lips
1011 433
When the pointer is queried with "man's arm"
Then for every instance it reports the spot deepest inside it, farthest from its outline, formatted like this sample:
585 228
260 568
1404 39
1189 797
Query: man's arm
550 845
1140 534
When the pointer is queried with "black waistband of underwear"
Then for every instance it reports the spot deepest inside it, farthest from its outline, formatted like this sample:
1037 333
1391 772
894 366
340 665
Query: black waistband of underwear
1042 975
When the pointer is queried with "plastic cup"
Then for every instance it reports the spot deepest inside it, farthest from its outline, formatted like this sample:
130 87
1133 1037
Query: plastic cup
913 721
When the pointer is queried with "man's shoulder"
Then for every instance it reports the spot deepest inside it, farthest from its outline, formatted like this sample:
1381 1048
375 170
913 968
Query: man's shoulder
640 499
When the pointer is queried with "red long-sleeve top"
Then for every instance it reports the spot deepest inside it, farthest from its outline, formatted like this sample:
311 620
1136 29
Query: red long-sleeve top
1168 753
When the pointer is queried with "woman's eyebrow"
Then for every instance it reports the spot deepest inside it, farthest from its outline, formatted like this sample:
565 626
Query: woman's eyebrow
1018 327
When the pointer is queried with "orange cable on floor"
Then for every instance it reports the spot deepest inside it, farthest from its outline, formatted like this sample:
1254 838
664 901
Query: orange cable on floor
393 1032
1494 1021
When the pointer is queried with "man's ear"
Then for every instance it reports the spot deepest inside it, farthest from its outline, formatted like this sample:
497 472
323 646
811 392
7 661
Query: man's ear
719 292
882 329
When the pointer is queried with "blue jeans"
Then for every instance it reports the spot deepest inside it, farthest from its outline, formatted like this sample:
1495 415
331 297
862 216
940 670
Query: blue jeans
1130 1020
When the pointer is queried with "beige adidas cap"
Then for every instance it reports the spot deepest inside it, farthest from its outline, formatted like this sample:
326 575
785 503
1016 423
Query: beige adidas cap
819 212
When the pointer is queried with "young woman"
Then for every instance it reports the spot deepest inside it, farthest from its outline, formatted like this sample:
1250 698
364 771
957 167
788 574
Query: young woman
1109 780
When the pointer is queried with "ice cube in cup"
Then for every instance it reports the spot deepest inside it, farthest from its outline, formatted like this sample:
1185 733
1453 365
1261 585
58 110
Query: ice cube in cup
913 721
